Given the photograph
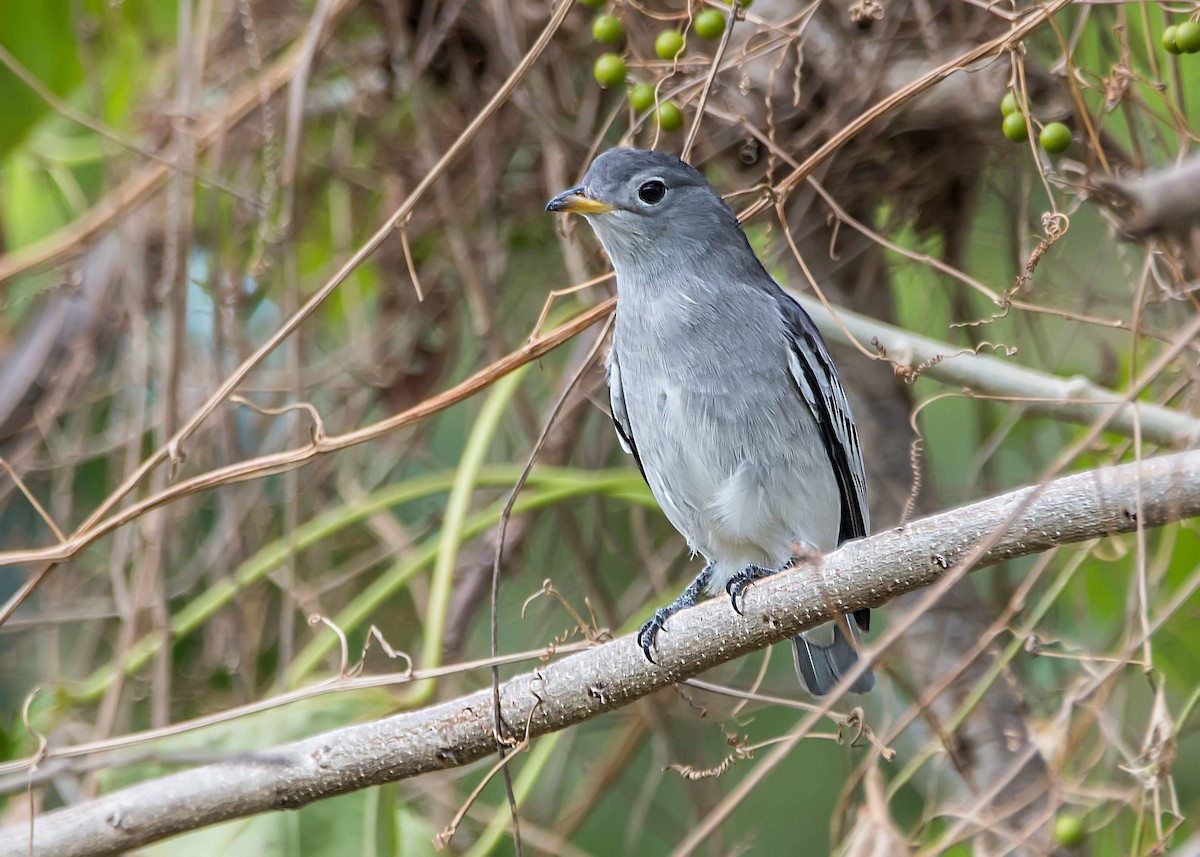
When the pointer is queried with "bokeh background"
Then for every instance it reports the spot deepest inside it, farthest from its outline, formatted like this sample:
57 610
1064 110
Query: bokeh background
176 179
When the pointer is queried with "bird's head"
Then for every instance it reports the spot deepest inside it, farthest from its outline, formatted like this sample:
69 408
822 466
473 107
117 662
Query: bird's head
650 209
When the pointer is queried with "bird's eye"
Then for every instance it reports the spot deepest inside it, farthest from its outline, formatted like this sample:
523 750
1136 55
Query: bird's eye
652 192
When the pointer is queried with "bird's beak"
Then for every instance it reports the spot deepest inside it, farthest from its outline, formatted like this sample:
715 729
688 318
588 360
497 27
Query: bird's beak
576 201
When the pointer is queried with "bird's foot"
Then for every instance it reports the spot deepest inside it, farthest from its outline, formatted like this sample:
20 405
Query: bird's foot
649 632
687 598
743 580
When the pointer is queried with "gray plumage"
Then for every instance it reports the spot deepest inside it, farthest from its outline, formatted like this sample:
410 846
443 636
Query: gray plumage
722 389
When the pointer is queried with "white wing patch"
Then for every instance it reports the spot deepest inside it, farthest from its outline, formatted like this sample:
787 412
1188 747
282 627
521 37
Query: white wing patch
616 401
828 403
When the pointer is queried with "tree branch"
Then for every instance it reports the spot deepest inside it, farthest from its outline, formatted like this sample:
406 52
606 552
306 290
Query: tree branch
1075 400
1158 200
865 573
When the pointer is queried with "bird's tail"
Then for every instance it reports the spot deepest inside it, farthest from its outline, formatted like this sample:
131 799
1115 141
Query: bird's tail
824 655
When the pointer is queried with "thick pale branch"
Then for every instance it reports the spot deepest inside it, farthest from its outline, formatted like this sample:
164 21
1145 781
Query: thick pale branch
1158 201
1075 400
864 573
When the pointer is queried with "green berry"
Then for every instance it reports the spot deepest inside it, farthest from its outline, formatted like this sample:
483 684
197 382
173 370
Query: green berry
608 29
609 70
593 4
709 24
1009 105
1068 830
1187 37
641 97
1015 128
669 44
1169 36
669 116
745 3
1055 138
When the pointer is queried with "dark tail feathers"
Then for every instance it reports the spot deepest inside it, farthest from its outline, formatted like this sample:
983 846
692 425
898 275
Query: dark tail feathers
820 667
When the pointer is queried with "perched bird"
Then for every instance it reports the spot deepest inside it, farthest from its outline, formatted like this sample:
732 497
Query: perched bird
723 391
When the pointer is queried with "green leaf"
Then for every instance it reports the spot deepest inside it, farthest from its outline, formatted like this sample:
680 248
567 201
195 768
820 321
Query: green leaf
41 37
30 205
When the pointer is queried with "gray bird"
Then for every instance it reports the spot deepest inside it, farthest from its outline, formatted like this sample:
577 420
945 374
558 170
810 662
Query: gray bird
724 393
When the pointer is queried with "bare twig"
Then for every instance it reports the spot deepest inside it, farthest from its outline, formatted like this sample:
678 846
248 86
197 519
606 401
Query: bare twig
172 449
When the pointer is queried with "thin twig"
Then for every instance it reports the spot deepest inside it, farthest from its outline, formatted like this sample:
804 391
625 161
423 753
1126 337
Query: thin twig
172 449
505 517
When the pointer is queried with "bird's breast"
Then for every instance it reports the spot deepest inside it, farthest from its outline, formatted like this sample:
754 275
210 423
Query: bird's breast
730 450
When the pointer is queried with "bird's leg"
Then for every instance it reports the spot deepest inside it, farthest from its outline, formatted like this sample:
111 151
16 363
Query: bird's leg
687 598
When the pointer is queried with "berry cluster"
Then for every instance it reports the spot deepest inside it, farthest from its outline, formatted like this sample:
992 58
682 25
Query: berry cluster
1182 38
669 45
1054 139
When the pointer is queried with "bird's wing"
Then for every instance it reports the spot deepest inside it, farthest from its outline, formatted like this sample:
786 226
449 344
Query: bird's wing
620 414
816 379
818 382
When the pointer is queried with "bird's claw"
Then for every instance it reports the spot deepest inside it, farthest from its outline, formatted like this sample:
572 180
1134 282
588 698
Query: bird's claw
737 585
649 632
736 588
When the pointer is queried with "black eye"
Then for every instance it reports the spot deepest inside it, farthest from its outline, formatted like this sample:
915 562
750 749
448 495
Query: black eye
652 192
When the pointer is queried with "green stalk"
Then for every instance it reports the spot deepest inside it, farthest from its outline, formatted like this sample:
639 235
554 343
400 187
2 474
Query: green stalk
996 669
201 608
457 506
532 769
1186 711
387 584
